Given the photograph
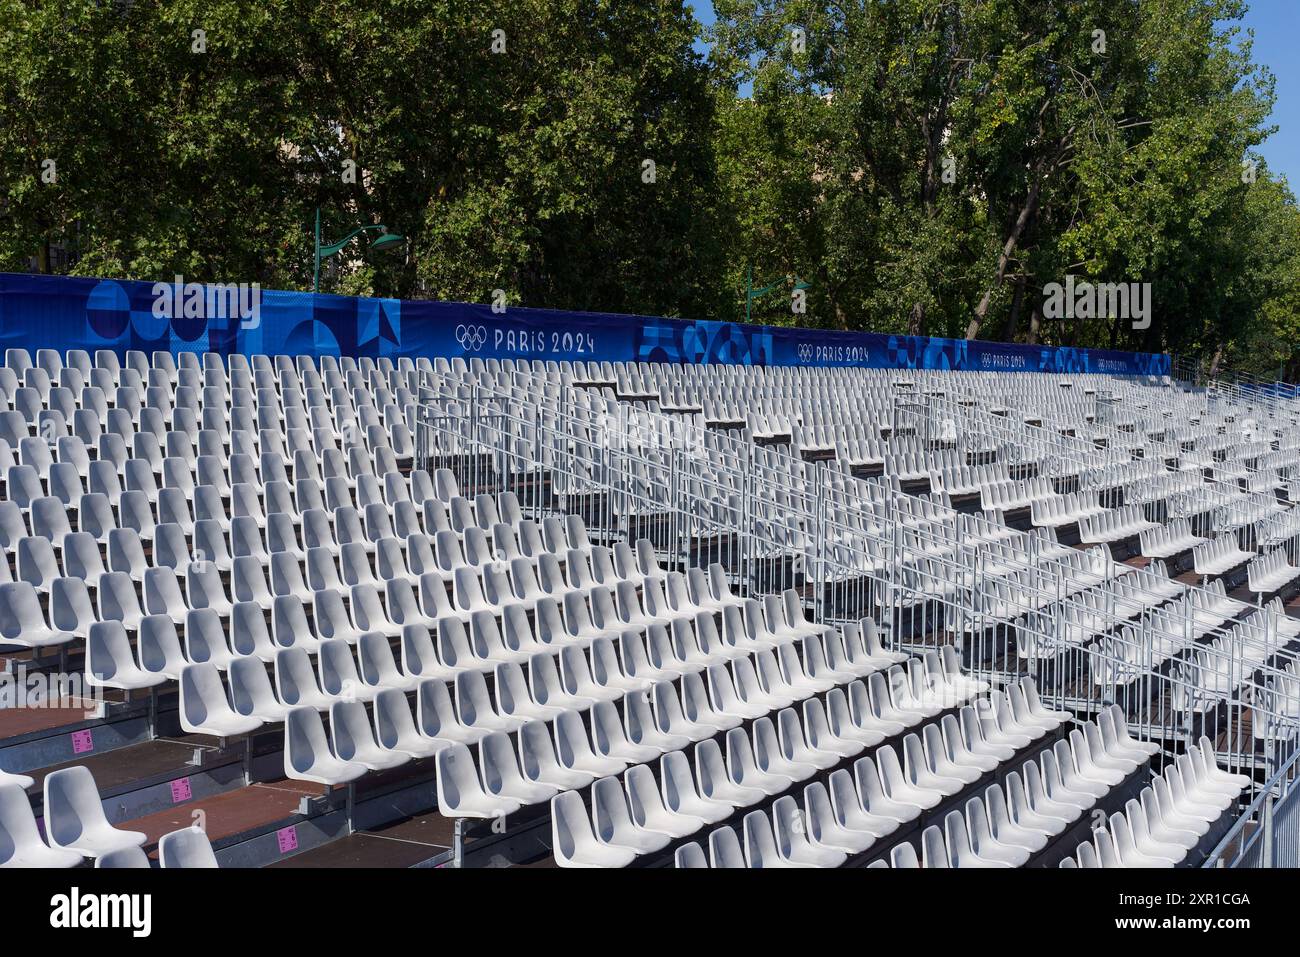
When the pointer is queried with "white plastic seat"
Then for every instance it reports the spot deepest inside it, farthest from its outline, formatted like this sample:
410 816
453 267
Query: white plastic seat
642 728
744 771
875 800
248 582
955 844
204 707
941 762
984 844
419 655
499 770
1017 824
474 707
573 842
698 708
1130 854
826 831
690 856
1169 828
20 781
799 746
20 840
338 674
162 595
548 688
307 753
760 846
1209 770
75 819
606 670
159 649
488 644
670 718
574 751
378 667
1087 765
460 792
648 810
330 616
187 848
1062 782
722 694
251 693
612 821
124 858
770 754
71 610
296 681
22 622
898 786
353 738
1154 844
205 639
110 662
436 716
397 731
204 589
610 740
790 830
368 612
680 794
539 763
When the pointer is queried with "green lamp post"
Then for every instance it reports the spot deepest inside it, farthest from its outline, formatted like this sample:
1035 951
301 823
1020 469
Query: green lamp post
385 240
751 293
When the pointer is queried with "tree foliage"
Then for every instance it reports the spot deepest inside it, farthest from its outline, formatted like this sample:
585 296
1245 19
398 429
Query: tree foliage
925 165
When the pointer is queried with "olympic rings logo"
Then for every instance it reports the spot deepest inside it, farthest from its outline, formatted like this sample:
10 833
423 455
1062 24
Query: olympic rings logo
471 338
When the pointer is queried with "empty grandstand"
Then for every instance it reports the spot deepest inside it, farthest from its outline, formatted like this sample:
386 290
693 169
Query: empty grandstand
274 609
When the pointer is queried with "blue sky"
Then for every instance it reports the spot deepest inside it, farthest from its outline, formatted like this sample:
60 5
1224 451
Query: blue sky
1276 23
1277 38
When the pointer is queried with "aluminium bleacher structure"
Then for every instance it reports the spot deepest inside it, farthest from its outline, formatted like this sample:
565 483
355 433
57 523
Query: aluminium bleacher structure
613 615
1142 634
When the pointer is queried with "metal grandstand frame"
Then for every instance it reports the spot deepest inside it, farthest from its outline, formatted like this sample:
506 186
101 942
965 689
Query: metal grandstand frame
1253 516
852 548
1267 834
1104 466
1277 398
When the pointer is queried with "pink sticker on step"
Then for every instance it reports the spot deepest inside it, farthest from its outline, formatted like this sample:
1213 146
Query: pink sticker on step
181 790
82 742
288 838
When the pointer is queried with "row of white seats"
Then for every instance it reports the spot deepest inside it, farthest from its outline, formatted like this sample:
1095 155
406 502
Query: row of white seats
845 816
1271 572
76 828
1003 827
1170 817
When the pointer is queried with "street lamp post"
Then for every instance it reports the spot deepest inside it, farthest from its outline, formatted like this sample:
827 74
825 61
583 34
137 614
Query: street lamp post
751 293
385 240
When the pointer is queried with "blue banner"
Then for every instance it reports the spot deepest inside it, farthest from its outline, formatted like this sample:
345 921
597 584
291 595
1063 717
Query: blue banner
58 312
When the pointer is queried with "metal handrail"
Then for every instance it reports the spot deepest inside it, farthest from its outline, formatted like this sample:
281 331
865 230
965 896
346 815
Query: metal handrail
960 608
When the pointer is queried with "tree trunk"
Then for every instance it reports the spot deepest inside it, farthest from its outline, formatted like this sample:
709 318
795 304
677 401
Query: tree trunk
1035 323
1017 305
1004 259
916 321
1218 358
